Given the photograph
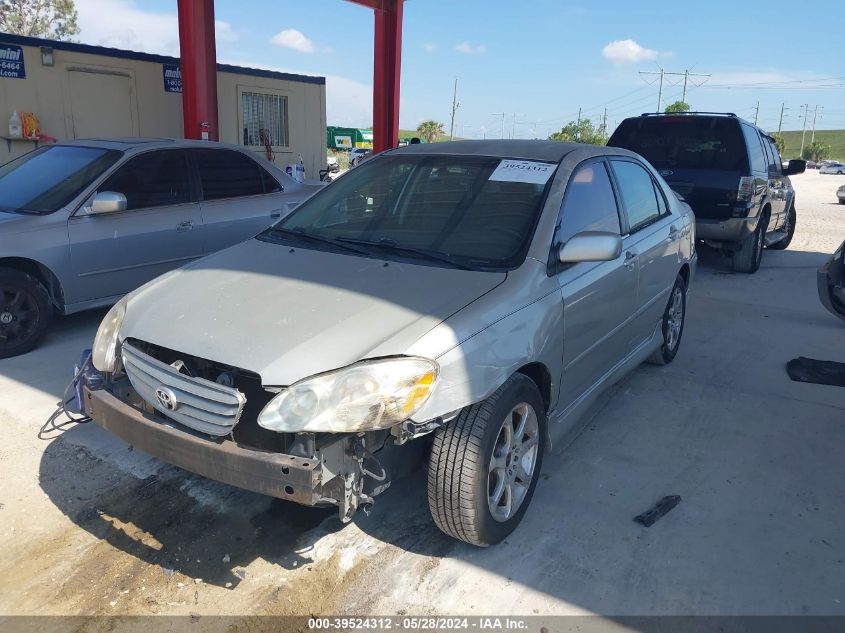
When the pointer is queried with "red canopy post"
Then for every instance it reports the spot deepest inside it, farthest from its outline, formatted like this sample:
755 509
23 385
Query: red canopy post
387 53
198 63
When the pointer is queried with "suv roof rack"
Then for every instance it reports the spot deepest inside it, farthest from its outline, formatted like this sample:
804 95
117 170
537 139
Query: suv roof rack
730 114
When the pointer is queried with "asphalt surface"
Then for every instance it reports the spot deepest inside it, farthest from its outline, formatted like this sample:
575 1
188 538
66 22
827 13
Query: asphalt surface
89 526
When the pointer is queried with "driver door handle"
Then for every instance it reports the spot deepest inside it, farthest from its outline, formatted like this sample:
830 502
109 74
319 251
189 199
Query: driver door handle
631 260
187 225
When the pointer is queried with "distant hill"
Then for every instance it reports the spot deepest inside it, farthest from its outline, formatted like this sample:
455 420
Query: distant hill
834 138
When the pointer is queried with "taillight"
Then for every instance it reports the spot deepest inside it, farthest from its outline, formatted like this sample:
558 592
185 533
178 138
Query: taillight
746 189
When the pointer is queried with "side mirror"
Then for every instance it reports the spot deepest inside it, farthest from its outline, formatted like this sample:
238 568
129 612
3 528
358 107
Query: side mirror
107 202
795 166
591 246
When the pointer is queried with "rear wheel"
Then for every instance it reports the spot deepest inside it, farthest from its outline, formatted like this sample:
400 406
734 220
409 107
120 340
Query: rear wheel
673 324
747 259
485 464
788 227
25 312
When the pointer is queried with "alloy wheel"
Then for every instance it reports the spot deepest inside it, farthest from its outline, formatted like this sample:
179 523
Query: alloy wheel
513 461
18 316
675 319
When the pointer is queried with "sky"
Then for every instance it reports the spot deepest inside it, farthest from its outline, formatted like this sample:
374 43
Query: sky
525 68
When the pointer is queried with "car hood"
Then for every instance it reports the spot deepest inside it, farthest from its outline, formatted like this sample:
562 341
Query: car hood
287 313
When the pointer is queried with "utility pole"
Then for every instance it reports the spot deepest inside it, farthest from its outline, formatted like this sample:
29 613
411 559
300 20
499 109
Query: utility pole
780 123
815 113
604 122
455 106
501 114
806 107
513 125
756 112
663 72
578 126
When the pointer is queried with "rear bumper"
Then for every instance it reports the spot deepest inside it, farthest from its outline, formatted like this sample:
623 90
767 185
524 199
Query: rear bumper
277 475
730 230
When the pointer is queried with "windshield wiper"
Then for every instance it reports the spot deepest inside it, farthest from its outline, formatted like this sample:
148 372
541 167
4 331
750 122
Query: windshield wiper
299 232
391 245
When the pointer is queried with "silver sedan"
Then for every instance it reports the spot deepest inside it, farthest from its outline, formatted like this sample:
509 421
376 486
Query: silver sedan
84 222
478 292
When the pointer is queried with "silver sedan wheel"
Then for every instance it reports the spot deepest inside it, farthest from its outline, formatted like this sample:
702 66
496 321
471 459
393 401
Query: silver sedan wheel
512 462
676 319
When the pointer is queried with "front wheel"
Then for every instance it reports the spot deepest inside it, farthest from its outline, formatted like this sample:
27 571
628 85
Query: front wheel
25 312
672 325
485 464
789 228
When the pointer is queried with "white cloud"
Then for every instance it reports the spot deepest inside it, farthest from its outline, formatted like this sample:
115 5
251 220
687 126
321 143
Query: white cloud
469 49
629 52
428 47
291 38
122 24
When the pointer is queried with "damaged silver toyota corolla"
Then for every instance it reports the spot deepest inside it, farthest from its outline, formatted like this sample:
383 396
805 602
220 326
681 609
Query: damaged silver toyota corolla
471 292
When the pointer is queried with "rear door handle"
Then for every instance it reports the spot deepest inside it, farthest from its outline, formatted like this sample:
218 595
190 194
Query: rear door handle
276 214
187 225
673 234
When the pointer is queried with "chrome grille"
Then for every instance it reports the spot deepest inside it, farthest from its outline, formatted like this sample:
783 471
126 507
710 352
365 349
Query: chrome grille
197 403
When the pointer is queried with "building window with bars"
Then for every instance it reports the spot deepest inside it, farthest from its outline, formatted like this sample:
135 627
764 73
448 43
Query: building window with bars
265 119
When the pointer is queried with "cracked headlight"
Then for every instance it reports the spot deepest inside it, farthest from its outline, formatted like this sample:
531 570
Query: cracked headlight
104 351
362 397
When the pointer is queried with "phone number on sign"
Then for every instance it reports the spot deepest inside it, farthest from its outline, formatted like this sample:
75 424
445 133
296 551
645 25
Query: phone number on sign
388 623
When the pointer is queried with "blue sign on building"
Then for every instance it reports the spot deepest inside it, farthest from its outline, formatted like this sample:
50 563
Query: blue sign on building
172 77
11 61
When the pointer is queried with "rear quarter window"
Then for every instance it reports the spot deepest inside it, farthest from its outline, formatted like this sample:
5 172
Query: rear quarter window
686 141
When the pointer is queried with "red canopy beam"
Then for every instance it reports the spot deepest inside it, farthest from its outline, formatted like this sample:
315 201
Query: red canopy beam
198 63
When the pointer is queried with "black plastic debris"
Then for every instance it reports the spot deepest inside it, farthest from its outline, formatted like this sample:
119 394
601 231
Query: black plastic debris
662 507
819 372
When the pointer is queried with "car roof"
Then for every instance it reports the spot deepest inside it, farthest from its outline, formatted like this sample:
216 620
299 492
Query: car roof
141 143
548 151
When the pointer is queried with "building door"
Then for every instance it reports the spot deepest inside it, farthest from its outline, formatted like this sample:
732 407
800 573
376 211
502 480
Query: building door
102 103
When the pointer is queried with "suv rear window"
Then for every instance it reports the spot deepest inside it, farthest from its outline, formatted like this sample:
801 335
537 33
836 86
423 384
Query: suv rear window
689 141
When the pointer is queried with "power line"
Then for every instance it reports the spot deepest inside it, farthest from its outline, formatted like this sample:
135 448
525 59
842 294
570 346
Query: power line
663 73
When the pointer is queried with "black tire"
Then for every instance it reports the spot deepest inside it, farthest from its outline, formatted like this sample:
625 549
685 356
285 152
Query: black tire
747 259
667 351
842 202
791 219
462 455
25 312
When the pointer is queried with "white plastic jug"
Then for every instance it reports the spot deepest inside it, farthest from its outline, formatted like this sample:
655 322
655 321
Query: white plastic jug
15 128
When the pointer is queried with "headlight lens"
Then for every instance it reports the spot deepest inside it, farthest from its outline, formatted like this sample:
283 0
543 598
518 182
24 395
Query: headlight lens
104 352
362 397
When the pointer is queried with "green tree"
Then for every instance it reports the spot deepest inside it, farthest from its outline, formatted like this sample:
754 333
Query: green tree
780 142
816 151
430 130
678 107
582 131
53 19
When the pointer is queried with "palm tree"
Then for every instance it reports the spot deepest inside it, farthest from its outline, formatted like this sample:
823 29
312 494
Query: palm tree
430 130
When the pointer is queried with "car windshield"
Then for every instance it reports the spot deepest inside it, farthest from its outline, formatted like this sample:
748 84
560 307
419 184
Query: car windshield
464 211
685 141
48 178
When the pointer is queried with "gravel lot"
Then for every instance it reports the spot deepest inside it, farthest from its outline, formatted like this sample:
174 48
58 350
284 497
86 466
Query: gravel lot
89 526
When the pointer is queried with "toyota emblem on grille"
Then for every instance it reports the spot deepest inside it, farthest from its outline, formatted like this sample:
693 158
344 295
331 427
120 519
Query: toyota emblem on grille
166 398
666 172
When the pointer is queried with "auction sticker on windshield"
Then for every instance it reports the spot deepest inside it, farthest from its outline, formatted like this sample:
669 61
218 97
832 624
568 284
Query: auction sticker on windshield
523 171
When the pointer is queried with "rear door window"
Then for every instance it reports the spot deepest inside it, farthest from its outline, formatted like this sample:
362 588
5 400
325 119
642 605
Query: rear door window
153 179
226 173
687 141
638 194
